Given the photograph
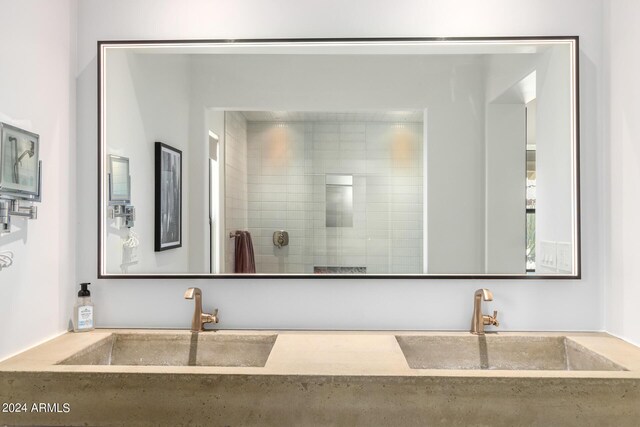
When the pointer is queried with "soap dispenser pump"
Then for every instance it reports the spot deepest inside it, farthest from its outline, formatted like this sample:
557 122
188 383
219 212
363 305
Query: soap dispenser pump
83 310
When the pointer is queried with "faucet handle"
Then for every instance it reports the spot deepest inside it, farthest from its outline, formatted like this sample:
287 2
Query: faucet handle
491 320
210 318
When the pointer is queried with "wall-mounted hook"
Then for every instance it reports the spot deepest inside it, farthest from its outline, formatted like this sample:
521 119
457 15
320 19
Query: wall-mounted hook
6 259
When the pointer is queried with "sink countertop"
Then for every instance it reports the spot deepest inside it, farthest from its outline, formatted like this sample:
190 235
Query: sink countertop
324 353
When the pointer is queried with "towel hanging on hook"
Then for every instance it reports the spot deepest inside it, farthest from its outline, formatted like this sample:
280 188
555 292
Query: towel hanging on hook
245 261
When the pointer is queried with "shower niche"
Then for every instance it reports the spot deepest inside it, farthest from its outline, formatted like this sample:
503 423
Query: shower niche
339 201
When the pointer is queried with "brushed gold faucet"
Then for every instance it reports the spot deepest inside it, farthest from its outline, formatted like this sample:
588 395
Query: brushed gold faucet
199 318
479 320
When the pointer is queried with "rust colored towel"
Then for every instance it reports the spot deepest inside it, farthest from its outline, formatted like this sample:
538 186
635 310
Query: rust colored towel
245 259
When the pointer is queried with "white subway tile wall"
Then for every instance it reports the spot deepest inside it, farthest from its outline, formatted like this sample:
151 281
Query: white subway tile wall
236 186
284 189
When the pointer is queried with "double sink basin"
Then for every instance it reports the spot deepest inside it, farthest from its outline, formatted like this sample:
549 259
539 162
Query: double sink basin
459 352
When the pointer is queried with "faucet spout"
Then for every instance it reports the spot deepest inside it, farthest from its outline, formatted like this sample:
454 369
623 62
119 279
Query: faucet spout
479 320
485 294
191 292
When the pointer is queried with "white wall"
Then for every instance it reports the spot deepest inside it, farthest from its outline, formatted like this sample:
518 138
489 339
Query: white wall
623 163
505 189
344 304
455 194
145 107
217 244
554 189
37 90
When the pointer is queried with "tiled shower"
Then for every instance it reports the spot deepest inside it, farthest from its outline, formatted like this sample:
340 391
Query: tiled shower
279 173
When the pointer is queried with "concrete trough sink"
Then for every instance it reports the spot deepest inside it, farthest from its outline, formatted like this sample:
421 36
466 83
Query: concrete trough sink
493 351
196 349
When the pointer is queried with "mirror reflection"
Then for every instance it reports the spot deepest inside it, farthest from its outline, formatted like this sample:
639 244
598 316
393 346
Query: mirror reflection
120 184
398 158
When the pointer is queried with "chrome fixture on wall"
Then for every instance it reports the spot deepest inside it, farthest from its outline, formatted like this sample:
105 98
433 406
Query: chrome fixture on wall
479 320
280 238
127 212
22 185
9 208
199 318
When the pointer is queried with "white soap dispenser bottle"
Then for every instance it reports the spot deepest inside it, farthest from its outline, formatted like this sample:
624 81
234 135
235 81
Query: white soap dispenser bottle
83 310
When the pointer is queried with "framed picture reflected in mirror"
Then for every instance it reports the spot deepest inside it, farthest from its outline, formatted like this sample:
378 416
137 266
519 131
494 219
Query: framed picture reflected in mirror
168 197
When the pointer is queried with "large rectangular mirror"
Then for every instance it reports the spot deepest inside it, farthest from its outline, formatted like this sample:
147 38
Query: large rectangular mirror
426 158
